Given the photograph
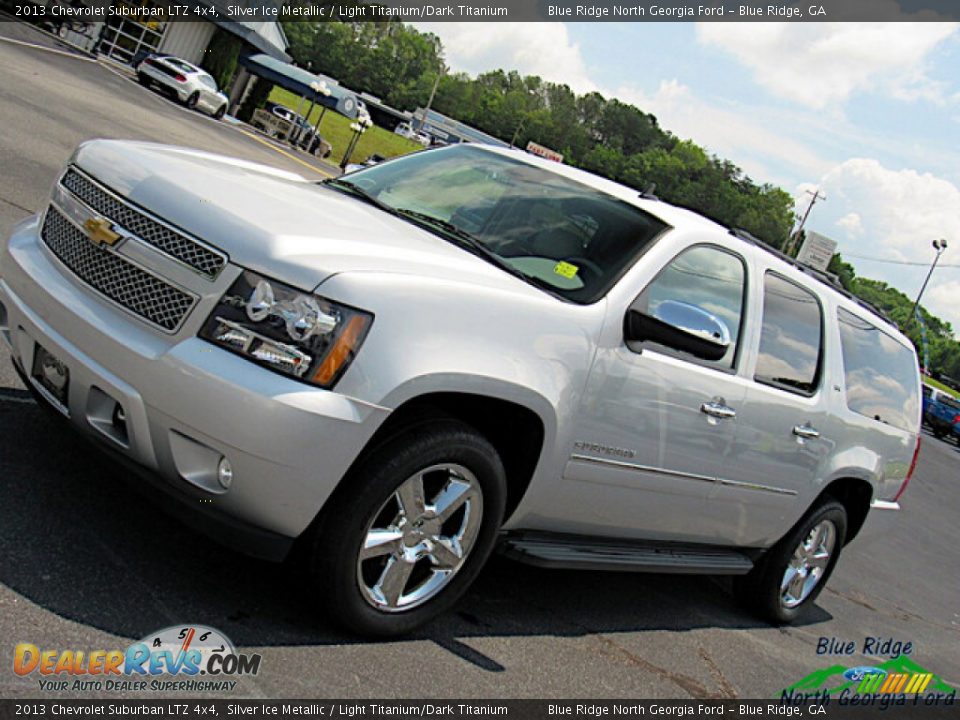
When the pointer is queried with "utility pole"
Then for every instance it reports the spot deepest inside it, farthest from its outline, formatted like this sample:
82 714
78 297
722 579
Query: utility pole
939 246
814 196
423 120
516 132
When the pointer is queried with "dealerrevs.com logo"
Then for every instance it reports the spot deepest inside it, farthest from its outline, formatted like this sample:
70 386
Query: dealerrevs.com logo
182 657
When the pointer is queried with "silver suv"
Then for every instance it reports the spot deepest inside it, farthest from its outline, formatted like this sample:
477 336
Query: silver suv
460 350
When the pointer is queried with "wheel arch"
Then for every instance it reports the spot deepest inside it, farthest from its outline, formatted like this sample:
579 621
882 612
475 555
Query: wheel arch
516 431
855 494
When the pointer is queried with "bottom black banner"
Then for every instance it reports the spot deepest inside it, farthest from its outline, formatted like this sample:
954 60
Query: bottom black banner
472 709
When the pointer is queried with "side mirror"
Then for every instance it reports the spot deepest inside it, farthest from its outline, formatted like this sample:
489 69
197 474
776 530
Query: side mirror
680 326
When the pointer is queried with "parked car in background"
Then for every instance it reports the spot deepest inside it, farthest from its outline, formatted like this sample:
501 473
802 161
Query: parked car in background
404 129
369 162
453 352
941 413
191 85
279 121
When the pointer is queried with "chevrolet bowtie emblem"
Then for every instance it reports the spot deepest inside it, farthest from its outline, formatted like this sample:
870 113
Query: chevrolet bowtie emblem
100 231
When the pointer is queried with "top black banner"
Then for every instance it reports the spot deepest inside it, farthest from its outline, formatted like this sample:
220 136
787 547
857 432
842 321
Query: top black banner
494 10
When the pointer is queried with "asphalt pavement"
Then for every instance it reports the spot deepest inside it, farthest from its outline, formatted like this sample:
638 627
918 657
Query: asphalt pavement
87 563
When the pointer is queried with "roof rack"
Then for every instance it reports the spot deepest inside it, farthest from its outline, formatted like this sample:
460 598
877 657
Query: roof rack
824 277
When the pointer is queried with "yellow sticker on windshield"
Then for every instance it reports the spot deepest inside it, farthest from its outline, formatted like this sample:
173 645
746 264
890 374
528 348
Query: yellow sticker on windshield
565 269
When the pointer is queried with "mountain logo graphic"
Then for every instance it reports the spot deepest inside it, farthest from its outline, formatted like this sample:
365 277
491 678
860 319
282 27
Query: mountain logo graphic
899 675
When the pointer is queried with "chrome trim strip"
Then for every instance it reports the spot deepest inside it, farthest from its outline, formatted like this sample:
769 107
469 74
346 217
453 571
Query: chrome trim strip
884 505
66 216
756 486
150 216
686 476
641 468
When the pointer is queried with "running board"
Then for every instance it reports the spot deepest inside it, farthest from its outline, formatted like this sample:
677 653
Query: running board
573 552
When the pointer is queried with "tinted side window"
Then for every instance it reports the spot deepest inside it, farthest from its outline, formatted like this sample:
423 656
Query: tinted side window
705 276
880 373
791 337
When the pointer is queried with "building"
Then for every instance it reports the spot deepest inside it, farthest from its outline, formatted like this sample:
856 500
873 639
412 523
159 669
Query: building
451 131
123 39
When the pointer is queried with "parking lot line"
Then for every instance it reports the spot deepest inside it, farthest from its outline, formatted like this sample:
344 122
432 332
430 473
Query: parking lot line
284 152
35 46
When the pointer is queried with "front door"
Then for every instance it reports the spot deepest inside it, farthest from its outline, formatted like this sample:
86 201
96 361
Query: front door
657 423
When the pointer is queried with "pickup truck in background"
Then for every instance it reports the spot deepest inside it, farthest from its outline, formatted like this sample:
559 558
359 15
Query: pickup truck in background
941 412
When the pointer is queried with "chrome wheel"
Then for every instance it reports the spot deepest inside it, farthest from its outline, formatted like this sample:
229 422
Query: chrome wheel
420 537
808 564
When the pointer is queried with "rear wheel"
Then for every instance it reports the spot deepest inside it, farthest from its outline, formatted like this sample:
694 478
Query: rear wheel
221 111
410 529
143 79
788 579
193 100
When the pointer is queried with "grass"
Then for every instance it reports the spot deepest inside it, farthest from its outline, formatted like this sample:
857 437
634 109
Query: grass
939 386
335 129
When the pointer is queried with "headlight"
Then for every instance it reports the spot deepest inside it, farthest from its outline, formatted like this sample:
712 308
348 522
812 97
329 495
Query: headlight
295 333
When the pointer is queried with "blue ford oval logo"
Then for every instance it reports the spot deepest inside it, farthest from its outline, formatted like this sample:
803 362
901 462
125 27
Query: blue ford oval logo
858 673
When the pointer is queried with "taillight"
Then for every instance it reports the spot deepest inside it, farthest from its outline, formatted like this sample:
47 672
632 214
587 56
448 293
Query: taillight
179 78
913 466
956 419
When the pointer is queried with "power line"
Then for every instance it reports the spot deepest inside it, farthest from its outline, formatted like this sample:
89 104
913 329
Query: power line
891 261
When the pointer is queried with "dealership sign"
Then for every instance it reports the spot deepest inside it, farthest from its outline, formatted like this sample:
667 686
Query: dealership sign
816 251
544 152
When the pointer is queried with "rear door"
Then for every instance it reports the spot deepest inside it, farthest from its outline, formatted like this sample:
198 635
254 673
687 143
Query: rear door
783 429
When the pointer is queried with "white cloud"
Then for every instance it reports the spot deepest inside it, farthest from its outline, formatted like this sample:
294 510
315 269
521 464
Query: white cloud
851 224
906 210
735 132
820 65
900 213
543 49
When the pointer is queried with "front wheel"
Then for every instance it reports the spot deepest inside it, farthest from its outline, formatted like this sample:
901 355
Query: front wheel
788 579
410 529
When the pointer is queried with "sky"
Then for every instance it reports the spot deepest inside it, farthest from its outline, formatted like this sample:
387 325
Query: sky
868 113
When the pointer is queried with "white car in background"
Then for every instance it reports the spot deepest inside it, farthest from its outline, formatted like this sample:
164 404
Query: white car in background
192 86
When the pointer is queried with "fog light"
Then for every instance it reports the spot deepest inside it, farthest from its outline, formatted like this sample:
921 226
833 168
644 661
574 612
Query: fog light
225 473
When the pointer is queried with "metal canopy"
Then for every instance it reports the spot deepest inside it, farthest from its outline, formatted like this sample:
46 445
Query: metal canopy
297 80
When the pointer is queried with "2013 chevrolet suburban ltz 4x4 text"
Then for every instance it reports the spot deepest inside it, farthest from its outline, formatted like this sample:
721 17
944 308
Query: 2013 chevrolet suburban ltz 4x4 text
461 349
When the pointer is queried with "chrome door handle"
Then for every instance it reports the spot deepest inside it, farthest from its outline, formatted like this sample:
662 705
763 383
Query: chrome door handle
806 431
718 409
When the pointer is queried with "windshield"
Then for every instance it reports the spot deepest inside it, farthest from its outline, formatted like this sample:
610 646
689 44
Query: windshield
557 233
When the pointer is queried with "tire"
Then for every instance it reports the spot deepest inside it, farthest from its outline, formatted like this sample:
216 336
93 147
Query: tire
221 111
761 589
143 79
192 100
362 595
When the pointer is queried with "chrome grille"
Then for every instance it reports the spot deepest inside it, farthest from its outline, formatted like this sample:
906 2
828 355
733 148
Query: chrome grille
116 278
163 238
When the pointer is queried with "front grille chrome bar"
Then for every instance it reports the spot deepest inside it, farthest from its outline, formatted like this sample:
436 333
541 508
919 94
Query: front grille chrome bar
148 228
116 278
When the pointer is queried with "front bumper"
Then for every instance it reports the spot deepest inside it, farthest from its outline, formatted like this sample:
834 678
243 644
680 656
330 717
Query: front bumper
186 403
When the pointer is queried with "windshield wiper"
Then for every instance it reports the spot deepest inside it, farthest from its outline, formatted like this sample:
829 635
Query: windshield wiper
473 244
359 192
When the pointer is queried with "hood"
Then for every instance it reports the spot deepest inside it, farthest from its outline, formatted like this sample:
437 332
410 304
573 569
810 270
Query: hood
275 222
